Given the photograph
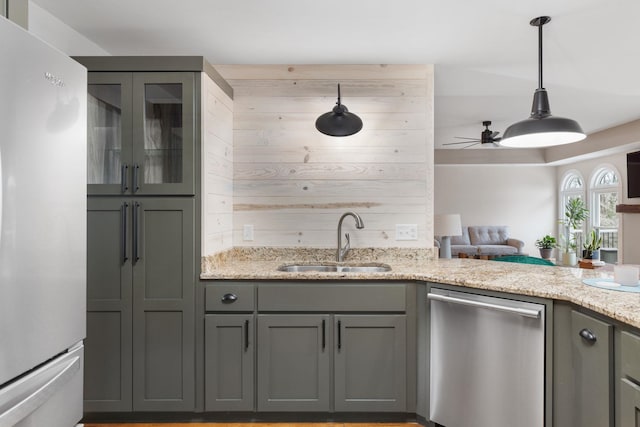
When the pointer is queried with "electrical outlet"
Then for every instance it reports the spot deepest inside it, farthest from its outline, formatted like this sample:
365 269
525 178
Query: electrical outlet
247 232
406 231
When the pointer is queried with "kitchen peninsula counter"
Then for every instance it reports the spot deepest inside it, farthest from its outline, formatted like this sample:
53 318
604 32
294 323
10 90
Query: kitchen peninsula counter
557 283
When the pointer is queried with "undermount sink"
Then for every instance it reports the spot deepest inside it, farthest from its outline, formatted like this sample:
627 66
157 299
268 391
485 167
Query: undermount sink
335 268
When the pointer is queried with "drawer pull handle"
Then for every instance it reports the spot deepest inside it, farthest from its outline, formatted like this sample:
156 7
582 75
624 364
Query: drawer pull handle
588 335
229 298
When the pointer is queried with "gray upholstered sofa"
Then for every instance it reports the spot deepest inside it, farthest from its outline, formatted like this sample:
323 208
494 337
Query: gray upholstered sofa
484 240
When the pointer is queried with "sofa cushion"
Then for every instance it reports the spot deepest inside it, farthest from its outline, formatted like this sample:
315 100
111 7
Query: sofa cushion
461 240
496 250
488 235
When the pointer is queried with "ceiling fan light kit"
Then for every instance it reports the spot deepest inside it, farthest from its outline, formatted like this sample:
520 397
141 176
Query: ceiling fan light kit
541 129
339 121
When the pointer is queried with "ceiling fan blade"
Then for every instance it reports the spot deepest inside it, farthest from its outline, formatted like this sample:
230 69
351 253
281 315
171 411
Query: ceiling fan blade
463 137
494 134
496 139
461 142
475 143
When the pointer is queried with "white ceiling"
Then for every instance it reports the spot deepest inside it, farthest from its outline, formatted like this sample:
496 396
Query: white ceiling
485 52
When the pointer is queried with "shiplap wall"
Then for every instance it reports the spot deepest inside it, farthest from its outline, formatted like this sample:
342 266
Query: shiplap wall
292 183
217 167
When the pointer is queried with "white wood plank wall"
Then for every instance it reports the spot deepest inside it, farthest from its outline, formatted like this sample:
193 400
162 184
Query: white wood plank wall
217 167
292 183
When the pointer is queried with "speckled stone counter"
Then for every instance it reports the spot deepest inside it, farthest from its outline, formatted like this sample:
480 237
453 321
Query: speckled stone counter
558 283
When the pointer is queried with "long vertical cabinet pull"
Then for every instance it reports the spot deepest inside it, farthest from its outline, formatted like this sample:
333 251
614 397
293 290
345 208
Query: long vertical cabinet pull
136 231
124 171
339 334
246 335
324 332
136 169
123 228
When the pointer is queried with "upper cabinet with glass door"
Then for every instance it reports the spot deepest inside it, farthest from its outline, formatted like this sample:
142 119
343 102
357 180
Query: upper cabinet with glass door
141 133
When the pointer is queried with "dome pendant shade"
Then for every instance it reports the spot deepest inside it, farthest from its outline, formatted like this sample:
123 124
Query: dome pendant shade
339 121
541 129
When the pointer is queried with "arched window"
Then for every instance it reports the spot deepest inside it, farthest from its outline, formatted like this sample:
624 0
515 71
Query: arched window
605 195
571 187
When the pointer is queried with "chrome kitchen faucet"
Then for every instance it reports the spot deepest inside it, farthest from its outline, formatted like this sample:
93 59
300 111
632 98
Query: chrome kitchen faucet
342 252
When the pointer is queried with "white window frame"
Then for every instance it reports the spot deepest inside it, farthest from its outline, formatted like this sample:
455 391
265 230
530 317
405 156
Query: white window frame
566 194
596 189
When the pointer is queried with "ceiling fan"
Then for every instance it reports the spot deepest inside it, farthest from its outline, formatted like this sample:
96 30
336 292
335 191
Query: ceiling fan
487 137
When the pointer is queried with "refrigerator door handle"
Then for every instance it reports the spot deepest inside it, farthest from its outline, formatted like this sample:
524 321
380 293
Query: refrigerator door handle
513 310
17 402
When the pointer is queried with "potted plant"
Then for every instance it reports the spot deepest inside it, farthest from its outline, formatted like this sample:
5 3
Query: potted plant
592 246
575 214
546 246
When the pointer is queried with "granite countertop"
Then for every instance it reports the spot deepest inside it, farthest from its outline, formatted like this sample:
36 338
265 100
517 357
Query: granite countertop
558 283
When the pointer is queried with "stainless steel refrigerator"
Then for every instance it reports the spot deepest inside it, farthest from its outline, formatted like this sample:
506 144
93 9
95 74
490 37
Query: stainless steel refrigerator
42 232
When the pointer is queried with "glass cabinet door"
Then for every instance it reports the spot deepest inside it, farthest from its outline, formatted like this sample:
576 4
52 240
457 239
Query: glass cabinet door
163 133
109 133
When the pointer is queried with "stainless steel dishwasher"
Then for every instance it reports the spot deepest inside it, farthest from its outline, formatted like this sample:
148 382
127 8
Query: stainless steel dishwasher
487 361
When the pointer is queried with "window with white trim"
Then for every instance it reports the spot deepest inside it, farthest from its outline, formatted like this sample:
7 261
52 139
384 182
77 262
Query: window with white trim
572 187
605 194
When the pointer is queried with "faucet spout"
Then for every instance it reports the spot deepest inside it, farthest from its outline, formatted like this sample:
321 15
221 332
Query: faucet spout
341 252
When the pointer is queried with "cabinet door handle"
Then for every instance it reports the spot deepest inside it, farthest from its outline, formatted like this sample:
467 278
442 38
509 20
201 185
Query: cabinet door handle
124 171
587 335
229 298
136 231
246 335
123 228
324 331
136 169
339 334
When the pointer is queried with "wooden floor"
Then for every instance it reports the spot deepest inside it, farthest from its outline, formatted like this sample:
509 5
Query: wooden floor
254 425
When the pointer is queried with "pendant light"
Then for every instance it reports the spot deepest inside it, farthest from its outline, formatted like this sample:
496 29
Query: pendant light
339 121
541 129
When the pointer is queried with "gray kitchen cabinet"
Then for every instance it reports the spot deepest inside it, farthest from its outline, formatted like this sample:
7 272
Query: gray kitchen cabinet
141 133
229 348
294 357
296 351
108 345
630 380
348 354
229 362
592 361
140 335
370 363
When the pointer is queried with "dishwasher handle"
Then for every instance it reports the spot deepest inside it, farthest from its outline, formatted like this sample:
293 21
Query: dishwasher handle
506 309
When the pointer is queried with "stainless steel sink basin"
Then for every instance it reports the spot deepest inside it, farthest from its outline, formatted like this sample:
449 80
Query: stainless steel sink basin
335 268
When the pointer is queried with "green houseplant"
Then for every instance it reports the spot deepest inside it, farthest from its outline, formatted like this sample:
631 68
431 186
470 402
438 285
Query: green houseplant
546 245
592 246
575 214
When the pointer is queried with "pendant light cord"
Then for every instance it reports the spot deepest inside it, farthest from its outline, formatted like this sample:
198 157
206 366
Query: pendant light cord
338 94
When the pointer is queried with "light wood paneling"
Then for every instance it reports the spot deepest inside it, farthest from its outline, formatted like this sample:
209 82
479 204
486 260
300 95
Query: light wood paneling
217 158
292 183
